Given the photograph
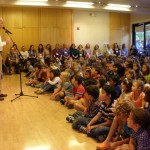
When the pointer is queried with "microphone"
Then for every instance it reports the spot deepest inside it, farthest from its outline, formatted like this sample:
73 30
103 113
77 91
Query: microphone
7 31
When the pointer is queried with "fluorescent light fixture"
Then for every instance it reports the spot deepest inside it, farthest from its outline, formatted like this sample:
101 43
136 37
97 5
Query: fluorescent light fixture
33 0
28 3
117 8
44 147
79 4
119 5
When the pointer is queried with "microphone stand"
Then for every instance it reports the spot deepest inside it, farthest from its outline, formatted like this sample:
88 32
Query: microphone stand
21 58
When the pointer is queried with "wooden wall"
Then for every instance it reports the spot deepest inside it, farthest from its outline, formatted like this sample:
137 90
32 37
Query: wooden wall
37 25
119 28
48 25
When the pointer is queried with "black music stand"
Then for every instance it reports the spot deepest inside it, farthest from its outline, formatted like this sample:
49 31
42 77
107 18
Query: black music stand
21 58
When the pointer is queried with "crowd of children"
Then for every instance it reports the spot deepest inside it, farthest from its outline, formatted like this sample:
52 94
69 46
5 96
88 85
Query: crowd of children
110 95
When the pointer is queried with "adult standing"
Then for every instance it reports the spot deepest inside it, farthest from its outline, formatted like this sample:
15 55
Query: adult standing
2 43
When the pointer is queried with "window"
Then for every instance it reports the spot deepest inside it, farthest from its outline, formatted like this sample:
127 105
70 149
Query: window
141 37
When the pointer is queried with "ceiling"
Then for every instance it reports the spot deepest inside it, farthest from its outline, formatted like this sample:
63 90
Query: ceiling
143 5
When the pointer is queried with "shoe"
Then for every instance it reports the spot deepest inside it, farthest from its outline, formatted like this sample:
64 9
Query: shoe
82 129
70 106
62 101
57 98
3 95
28 83
32 85
39 92
101 138
1 98
36 91
38 86
70 119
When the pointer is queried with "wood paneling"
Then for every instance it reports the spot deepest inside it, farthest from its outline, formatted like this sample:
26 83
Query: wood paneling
48 35
115 21
12 17
48 18
31 36
31 17
36 25
119 28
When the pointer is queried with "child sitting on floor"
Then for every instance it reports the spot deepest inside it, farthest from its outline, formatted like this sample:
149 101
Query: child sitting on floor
99 126
119 132
52 83
92 105
78 91
139 122
64 89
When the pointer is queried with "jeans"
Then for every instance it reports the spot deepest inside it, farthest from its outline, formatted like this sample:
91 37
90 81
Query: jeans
101 130
47 87
80 121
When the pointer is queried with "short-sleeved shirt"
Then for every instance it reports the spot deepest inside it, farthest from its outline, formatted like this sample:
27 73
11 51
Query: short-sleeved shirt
79 91
138 101
30 68
68 87
141 139
93 109
106 112
147 77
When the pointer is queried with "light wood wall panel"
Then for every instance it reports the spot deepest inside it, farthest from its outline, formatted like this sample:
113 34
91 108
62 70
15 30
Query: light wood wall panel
0 12
36 25
12 17
48 18
119 28
31 37
31 17
48 35
63 18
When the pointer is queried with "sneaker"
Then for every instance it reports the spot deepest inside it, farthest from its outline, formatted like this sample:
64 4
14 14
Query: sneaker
28 83
57 98
70 119
36 91
32 85
62 101
101 138
70 106
82 129
39 92
38 85
1 98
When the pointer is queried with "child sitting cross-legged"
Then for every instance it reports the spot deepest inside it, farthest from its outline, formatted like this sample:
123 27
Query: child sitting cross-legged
65 87
99 126
119 132
51 83
78 91
34 76
91 98
139 122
